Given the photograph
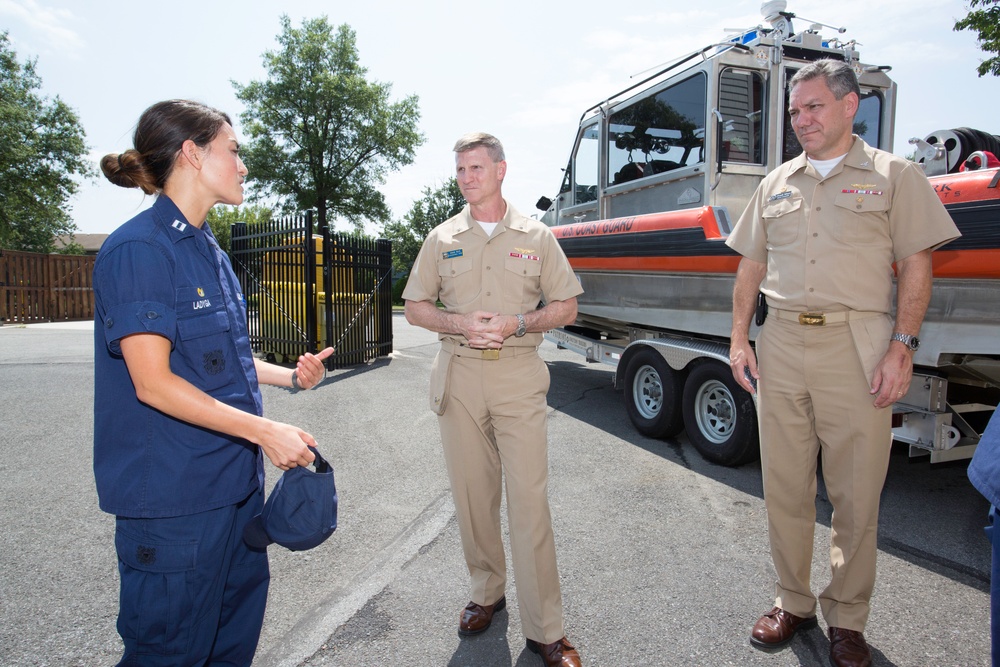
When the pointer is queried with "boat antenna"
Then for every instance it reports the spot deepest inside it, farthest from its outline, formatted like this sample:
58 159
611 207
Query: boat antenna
775 13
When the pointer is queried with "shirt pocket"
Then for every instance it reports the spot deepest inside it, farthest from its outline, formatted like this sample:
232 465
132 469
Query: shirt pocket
522 282
782 221
458 285
204 351
864 222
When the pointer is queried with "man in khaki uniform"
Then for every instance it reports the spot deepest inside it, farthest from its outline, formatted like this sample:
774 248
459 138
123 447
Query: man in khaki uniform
491 267
819 239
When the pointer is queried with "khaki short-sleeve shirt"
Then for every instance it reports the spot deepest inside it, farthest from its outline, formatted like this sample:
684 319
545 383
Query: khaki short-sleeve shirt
829 243
509 272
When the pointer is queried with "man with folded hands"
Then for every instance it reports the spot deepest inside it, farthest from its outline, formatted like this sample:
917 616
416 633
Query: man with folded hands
491 267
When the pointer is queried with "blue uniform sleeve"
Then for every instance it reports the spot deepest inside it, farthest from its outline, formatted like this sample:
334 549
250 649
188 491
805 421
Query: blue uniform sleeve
984 470
135 293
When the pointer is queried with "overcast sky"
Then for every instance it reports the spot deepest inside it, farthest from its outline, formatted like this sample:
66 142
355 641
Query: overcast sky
522 70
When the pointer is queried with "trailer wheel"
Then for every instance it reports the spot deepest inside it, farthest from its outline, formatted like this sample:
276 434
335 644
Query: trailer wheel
720 416
652 395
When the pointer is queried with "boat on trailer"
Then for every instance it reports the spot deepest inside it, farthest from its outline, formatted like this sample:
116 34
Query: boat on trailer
657 176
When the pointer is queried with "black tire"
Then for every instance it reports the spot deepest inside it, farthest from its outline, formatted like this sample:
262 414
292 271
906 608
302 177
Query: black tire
653 395
720 416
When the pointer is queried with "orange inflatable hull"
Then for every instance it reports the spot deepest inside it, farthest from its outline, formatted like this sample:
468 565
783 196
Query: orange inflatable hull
690 241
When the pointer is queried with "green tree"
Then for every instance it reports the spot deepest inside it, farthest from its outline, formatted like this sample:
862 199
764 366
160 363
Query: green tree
432 209
985 21
71 247
221 219
321 136
42 156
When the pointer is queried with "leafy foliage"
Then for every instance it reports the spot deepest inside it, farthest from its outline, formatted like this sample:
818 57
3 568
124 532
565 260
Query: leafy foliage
42 155
222 218
432 209
985 21
71 248
321 136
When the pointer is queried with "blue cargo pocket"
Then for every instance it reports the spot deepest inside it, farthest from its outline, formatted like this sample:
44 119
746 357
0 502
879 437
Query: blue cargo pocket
155 614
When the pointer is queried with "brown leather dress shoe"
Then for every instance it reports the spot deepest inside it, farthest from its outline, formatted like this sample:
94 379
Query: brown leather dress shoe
556 654
476 618
777 627
848 648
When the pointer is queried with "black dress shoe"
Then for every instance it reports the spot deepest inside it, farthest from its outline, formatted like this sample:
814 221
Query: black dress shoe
476 618
777 627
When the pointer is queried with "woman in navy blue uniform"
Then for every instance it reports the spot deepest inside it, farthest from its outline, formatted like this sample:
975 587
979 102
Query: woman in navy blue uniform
178 428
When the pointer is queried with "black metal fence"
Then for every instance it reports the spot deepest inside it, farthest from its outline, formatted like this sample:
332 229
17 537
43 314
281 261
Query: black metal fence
307 291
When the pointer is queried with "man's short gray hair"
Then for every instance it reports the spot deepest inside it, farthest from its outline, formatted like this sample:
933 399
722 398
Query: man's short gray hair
475 140
839 77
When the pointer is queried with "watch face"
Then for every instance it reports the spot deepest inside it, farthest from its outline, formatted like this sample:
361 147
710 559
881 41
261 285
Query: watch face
911 342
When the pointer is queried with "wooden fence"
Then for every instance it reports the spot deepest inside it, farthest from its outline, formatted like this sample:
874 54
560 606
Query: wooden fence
36 287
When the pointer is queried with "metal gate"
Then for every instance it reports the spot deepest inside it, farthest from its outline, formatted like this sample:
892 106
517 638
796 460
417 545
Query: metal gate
307 291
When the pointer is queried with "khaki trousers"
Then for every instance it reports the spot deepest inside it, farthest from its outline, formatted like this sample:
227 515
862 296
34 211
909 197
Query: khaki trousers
493 428
814 400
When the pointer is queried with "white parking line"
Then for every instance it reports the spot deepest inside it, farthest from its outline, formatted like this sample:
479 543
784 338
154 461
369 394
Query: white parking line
316 626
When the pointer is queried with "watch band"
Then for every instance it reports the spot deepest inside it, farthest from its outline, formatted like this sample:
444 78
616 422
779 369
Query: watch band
909 341
522 326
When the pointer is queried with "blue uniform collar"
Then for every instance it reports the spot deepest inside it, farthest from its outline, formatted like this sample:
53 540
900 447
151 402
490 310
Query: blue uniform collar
166 213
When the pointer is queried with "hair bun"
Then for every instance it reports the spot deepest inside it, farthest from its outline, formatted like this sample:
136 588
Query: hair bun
127 170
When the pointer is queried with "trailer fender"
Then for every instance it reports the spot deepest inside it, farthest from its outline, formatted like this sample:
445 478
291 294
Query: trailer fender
678 353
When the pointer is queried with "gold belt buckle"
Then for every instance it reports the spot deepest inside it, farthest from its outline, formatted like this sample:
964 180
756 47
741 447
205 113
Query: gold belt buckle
491 355
812 319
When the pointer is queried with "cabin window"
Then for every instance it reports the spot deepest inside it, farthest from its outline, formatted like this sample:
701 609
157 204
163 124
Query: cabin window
584 168
867 123
868 120
741 100
659 133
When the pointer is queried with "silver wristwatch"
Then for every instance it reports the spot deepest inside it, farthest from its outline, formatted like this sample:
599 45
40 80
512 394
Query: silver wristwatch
909 341
522 326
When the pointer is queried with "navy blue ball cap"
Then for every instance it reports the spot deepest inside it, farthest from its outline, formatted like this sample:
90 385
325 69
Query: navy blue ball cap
301 511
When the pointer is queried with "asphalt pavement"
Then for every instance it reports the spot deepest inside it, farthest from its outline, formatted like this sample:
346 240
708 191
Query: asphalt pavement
663 557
